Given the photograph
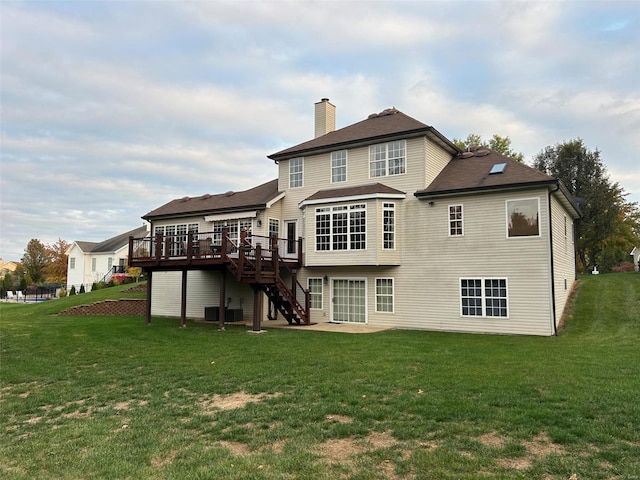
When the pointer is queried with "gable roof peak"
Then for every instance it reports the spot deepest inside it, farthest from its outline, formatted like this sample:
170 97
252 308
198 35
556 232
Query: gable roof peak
387 125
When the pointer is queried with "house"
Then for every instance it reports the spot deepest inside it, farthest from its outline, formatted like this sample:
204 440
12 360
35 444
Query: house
635 258
383 222
90 262
7 267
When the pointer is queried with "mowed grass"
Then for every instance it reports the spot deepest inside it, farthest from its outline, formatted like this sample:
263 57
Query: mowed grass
109 397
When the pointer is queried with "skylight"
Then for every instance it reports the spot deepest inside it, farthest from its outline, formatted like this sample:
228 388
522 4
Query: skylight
497 168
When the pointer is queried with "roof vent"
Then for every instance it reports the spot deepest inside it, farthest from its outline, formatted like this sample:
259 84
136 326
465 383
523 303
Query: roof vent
497 168
373 115
388 111
184 199
465 155
482 152
206 196
230 193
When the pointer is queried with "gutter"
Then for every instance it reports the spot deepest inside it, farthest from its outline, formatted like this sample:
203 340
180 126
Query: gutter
553 282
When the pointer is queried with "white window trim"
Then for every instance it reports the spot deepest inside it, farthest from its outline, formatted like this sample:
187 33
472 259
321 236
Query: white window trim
277 222
386 160
395 223
330 212
346 166
506 214
321 291
461 219
393 294
72 263
301 172
483 296
366 298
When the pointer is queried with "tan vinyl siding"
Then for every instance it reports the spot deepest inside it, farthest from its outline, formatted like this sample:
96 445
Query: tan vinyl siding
427 285
436 159
564 256
317 176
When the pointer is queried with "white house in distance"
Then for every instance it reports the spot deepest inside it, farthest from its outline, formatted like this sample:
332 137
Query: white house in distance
383 222
91 262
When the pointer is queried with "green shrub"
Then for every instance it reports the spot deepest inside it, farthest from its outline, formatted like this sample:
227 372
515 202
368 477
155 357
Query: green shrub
73 290
62 293
81 289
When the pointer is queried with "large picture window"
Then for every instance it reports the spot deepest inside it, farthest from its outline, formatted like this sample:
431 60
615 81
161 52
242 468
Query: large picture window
341 227
523 218
339 166
387 159
296 170
483 297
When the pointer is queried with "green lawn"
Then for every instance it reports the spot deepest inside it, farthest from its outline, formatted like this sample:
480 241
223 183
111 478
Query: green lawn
110 397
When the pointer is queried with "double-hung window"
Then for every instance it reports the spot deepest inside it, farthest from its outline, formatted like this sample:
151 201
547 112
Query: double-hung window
72 263
384 295
387 159
455 221
274 227
388 226
342 227
339 166
484 297
315 293
296 170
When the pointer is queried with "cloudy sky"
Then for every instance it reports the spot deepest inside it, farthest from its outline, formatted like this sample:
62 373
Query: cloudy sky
110 109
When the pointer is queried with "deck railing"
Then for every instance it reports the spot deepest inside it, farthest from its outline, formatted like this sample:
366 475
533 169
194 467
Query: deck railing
209 245
252 259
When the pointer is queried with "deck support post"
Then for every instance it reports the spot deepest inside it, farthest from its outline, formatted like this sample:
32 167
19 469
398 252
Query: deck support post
183 300
257 308
149 279
222 312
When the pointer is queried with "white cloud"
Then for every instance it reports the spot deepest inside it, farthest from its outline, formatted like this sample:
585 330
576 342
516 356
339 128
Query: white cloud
149 101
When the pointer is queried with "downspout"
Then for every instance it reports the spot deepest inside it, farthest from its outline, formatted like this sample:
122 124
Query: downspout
553 280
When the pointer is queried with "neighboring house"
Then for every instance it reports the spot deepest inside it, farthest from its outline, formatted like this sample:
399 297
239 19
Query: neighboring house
635 258
91 262
7 267
383 222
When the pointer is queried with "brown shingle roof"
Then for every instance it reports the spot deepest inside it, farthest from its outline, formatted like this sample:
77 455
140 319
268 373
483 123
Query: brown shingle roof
370 189
256 197
470 172
388 123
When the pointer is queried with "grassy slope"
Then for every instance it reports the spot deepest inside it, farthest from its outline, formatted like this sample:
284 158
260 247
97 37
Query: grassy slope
108 397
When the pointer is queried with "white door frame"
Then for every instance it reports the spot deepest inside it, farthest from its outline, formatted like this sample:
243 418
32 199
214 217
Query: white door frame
366 299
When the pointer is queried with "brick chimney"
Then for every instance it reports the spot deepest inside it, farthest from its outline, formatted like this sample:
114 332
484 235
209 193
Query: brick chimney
325 117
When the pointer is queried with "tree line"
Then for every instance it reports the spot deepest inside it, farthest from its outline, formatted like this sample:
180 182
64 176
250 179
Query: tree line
40 263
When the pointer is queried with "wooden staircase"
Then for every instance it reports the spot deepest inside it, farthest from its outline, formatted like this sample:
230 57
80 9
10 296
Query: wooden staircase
263 268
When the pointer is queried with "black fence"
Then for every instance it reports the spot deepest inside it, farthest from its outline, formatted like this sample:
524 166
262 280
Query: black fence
31 294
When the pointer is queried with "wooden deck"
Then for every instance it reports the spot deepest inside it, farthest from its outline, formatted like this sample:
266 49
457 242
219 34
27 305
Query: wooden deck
262 262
